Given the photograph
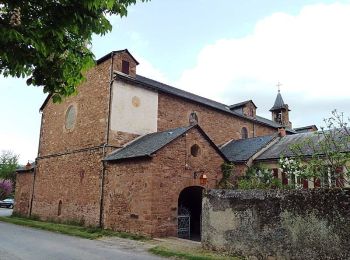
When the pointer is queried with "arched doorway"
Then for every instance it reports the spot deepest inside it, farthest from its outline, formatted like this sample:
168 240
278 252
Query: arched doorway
190 212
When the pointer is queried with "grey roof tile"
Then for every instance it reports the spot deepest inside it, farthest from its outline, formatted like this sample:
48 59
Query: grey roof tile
147 144
279 103
240 104
25 168
243 149
282 147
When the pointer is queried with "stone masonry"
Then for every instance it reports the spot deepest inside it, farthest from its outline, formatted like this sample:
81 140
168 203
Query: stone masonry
138 195
142 196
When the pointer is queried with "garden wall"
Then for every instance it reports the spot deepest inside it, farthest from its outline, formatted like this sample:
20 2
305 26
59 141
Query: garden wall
278 224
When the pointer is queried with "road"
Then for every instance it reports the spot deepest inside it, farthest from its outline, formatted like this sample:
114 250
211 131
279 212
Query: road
4 212
23 243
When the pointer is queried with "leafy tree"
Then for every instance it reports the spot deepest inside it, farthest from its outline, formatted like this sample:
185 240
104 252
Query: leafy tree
8 165
48 41
258 177
329 149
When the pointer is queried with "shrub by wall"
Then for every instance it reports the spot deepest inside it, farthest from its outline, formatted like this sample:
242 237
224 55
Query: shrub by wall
278 224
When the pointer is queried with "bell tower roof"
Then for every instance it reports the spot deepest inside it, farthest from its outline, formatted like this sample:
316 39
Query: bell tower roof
279 103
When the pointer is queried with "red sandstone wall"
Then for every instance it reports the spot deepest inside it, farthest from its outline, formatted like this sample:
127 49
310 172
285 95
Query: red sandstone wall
75 180
91 120
220 127
117 63
142 195
23 194
92 113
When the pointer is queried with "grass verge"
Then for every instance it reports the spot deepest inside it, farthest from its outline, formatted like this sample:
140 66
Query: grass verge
166 252
68 229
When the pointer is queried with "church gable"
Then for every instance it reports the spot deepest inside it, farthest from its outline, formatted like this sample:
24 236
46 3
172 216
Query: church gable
149 145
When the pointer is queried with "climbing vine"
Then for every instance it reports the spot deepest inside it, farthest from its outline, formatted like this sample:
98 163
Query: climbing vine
227 170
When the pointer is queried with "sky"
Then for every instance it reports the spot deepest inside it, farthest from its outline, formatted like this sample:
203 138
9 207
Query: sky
226 50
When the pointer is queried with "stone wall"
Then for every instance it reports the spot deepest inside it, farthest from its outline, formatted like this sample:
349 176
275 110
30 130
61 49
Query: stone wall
278 224
23 194
220 127
141 196
91 105
72 180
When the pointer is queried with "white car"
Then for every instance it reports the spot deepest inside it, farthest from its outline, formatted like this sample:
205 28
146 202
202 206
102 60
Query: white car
7 203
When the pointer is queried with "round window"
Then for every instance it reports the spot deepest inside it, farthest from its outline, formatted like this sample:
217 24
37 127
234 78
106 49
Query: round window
136 102
195 150
71 115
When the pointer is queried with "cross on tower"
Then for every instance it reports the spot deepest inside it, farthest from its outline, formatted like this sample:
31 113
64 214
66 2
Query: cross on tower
278 86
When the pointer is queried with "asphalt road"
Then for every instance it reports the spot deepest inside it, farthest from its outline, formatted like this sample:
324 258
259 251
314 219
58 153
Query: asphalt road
4 212
23 243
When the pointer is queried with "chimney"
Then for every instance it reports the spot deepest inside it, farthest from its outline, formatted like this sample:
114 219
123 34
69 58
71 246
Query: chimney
282 132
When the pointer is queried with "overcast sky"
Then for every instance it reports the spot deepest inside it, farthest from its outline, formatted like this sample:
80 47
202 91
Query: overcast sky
226 50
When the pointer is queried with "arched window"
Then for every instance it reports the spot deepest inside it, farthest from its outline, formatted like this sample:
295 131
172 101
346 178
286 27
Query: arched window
59 208
71 115
193 119
195 150
244 133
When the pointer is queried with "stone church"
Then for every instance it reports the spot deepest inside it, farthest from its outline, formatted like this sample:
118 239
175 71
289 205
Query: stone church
132 154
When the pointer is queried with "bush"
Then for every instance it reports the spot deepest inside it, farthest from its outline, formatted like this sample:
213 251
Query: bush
6 188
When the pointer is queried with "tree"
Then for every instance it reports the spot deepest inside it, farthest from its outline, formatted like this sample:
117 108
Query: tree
329 149
47 41
6 188
8 166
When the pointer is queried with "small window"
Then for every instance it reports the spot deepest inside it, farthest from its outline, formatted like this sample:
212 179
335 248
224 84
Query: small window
71 115
125 67
193 119
195 150
59 208
244 133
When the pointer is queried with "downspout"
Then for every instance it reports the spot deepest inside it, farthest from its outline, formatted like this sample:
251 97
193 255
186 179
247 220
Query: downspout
101 224
36 164
253 129
32 198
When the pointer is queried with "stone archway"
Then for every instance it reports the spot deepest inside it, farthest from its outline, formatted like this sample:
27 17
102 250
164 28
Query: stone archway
190 213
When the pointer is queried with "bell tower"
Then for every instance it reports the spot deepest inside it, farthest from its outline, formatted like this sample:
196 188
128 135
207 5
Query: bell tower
280 110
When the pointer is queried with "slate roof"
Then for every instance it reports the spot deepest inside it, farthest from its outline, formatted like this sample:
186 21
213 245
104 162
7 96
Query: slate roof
241 104
108 56
282 147
279 103
305 128
149 144
158 86
25 168
242 150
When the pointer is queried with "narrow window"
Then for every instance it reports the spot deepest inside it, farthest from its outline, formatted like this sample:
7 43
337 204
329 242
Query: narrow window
195 150
71 115
193 119
59 208
244 133
125 67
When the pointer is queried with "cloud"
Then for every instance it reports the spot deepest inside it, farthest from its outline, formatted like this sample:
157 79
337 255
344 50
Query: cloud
148 70
309 53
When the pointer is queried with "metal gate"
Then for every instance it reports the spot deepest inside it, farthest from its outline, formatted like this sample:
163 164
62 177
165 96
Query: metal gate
184 223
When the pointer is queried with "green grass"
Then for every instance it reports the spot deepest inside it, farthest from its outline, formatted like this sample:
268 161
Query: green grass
68 229
166 252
